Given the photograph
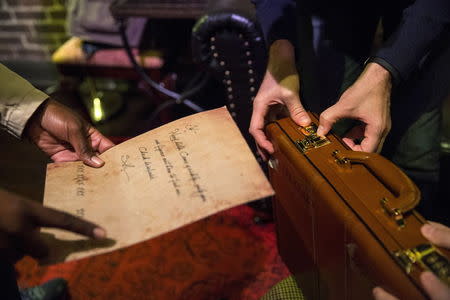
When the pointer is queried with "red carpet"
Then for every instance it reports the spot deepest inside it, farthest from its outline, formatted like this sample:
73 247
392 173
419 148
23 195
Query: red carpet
226 256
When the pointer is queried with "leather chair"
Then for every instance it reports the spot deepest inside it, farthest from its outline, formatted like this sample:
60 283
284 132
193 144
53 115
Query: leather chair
228 42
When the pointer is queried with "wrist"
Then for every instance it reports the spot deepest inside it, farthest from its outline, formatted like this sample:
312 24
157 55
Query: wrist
395 74
376 73
36 118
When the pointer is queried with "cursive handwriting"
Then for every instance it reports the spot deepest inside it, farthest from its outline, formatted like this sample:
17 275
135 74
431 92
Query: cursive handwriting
169 167
147 162
79 181
194 177
174 137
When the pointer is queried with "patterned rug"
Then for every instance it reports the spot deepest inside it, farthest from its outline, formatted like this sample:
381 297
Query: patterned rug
226 256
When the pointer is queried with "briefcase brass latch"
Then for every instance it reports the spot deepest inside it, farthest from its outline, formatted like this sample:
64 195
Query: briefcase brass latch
395 213
428 257
311 140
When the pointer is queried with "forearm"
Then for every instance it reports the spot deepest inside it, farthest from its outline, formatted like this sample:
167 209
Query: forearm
18 101
423 24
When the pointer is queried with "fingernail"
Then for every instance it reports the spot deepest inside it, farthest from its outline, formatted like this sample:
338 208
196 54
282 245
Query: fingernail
99 233
97 160
427 229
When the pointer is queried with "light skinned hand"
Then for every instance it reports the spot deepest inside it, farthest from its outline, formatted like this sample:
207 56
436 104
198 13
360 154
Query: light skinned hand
21 219
280 86
367 100
65 136
439 235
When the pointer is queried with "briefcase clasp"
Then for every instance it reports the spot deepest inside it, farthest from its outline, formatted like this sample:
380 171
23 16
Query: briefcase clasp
395 213
311 140
428 257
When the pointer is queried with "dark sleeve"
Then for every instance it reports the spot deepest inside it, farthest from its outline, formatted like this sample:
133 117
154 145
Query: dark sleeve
422 24
277 19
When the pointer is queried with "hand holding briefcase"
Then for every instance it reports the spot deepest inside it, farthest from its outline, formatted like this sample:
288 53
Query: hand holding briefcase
345 219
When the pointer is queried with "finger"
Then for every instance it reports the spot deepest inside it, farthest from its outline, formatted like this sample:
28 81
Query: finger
435 288
297 112
257 127
48 217
350 142
438 235
80 141
372 138
262 153
380 294
99 142
65 155
327 119
355 133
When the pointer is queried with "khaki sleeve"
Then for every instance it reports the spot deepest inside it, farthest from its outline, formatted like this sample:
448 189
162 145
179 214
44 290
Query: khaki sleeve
18 101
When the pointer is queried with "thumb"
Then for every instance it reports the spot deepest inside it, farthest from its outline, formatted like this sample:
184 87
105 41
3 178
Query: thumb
327 120
79 140
437 233
297 112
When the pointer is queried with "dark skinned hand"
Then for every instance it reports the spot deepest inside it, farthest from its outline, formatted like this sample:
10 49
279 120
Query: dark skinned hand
64 136
21 219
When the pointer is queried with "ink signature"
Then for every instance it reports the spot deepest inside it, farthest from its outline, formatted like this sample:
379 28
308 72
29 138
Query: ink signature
126 165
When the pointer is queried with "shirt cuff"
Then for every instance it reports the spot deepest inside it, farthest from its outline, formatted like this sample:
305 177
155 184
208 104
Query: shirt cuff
395 74
19 113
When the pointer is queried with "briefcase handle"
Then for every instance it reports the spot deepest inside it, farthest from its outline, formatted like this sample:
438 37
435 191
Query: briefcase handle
406 193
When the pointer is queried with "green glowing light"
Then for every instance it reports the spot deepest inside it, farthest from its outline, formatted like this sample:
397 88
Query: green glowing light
98 112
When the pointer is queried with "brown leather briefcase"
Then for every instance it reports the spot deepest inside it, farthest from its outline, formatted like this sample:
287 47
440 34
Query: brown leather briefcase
345 219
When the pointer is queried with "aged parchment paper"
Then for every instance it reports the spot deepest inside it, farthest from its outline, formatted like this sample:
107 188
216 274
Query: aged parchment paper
159 181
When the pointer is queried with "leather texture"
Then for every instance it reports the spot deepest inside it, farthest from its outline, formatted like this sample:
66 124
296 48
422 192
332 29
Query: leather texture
228 43
333 232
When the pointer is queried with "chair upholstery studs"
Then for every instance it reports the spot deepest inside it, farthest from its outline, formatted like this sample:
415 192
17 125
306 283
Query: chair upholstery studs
250 71
222 63
250 62
215 54
247 53
228 82
230 89
233 114
232 105
246 43
212 39
227 72
252 80
252 89
213 47
230 96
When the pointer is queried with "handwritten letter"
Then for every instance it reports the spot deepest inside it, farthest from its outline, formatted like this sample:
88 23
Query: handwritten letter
159 181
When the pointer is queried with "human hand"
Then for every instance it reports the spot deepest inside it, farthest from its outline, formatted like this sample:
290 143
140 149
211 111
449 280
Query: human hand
20 220
367 100
65 136
439 235
280 86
